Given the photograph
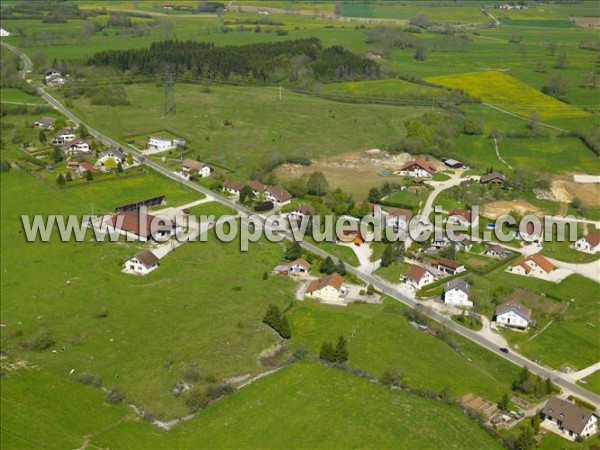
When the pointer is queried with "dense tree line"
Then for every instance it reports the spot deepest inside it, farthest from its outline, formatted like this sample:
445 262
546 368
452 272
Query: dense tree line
262 62
277 320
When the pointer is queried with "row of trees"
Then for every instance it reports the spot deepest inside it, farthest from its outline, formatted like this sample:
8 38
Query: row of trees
262 62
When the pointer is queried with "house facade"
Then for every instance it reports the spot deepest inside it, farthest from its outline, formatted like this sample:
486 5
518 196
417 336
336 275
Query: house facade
76 147
277 194
497 251
116 155
513 315
142 264
533 265
456 293
231 187
568 419
448 267
63 136
298 269
190 166
159 143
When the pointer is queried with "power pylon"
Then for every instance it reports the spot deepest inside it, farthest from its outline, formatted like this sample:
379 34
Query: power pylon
169 106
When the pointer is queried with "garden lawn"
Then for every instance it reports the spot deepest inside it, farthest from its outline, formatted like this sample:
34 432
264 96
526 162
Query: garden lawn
592 382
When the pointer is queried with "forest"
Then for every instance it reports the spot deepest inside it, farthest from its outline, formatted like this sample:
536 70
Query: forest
261 62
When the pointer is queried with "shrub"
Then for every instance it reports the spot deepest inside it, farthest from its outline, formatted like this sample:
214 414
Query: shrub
196 400
391 377
115 396
87 378
216 391
191 374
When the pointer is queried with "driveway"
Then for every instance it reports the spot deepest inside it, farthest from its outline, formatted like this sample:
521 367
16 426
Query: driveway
589 270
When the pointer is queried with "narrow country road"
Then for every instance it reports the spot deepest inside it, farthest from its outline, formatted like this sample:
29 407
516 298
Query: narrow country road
377 283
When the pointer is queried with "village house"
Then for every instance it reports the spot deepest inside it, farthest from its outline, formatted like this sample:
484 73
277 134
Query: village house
565 418
63 136
256 186
203 170
493 179
46 123
496 251
418 277
76 147
513 315
4 33
447 266
142 226
533 265
142 263
329 289
456 293
463 242
300 212
231 187
277 194
54 78
84 167
462 217
116 155
398 218
299 269
589 243
419 168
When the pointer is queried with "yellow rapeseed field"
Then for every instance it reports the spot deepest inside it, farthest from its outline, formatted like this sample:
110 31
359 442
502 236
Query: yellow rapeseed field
507 92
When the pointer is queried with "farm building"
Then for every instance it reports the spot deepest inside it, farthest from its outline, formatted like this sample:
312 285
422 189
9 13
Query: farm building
142 263
142 226
417 168
148 203
452 163
513 315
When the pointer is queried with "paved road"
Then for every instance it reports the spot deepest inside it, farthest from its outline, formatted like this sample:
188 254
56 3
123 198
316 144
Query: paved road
379 284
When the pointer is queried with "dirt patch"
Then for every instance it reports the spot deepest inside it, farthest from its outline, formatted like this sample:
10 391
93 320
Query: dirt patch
560 192
479 404
586 22
476 263
353 172
589 193
496 209
536 302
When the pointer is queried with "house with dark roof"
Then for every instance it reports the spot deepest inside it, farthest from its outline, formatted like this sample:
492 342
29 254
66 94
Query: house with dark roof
256 186
452 163
513 315
277 194
590 243
496 251
493 179
143 226
569 420
456 293
299 269
330 289
418 277
142 264
116 155
46 123
419 168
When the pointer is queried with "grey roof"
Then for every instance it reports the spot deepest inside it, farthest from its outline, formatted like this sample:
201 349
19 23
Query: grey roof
572 416
114 153
47 121
491 176
514 306
457 283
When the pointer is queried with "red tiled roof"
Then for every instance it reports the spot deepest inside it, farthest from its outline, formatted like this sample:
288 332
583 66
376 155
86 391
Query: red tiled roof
593 238
279 193
147 258
399 212
233 185
538 259
461 213
420 163
256 185
192 164
446 263
87 166
335 280
301 261
415 272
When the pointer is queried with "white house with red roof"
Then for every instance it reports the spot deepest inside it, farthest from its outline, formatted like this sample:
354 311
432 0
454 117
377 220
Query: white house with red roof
299 268
192 166
590 243
418 277
535 265
331 289
141 264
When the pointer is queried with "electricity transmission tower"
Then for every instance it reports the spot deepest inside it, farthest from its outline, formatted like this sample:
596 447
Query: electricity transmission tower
169 106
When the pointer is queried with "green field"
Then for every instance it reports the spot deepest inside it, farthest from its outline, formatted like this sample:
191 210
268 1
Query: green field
13 95
592 382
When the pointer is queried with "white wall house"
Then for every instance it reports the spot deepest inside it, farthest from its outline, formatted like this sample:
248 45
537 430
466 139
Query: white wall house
513 315
330 289
142 263
419 168
533 265
191 166
568 419
417 277
456 293
299 269
63 136
158 143
76 146
232 187
589 243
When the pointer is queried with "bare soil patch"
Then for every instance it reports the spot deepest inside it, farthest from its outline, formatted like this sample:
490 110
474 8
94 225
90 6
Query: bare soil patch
496 209
586 22
353 172
589 193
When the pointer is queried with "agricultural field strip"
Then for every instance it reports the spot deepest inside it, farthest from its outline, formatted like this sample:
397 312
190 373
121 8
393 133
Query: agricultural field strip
379 284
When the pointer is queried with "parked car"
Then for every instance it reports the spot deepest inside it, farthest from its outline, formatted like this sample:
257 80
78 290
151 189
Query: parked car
503 349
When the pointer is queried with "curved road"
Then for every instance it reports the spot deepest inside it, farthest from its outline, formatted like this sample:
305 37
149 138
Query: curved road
379 284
